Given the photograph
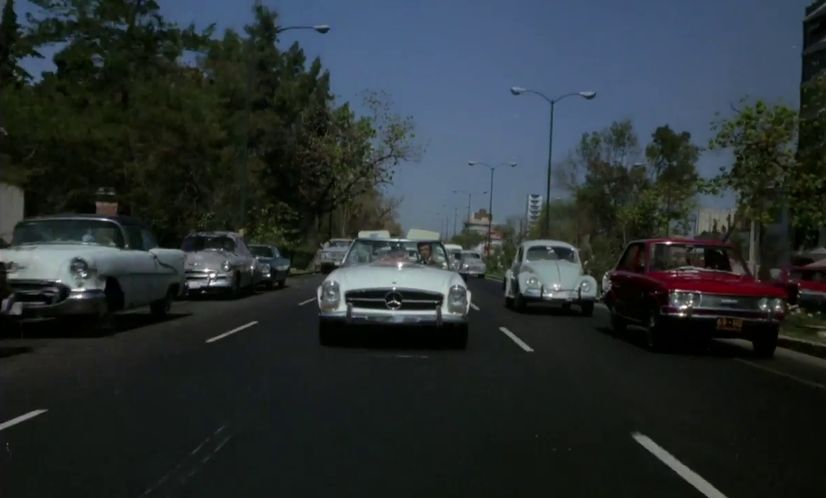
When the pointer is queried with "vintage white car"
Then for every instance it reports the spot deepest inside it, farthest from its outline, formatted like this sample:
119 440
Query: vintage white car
218 262
89 265
472 264
379 284
331 254
454 252
549 271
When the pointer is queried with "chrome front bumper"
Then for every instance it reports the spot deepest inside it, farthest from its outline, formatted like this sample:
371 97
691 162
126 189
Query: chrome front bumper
473 272
556 297
77 302
202 281
356 316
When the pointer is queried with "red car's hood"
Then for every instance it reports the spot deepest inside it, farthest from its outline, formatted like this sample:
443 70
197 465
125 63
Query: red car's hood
716 282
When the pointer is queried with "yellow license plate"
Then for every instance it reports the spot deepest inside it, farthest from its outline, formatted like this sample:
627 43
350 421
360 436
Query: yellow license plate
730 324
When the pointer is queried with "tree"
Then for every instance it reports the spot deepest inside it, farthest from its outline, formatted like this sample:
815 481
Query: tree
672 158
468 239
11 47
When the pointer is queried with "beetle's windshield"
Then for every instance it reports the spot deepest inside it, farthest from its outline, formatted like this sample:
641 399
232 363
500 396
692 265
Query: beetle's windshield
68 231
550 253
681 257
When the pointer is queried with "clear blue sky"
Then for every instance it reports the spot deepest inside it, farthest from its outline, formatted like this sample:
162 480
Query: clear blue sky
449 64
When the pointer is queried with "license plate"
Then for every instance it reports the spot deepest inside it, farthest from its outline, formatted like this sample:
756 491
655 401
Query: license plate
730 324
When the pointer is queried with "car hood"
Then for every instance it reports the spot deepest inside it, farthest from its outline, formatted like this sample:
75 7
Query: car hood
564 273
716 282
207 260
48 261
398 275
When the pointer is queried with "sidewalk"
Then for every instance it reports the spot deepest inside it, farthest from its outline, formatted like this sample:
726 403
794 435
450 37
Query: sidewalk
804 332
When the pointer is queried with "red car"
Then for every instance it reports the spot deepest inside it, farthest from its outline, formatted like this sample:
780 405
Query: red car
810 281
698 287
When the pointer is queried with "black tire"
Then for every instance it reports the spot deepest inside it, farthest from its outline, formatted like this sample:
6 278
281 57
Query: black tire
268 285
282 283
328 335
161 307
655 336
587 308
458 336
481 275
519 303
235 291
764 342
618 323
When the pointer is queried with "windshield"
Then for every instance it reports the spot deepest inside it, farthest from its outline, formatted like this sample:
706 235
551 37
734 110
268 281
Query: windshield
68 231
261 251
338 243
471 255
550 253
693 257
208 243
372 251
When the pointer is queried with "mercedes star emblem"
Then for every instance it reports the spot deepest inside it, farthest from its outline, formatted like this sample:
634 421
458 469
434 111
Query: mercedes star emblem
393 300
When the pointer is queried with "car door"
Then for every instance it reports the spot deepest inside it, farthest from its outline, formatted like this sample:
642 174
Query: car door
279 261
246 263
516 267
139 265
623 280
164 269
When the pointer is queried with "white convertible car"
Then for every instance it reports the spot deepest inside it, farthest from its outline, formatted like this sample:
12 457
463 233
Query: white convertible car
549 271
379 284
89 265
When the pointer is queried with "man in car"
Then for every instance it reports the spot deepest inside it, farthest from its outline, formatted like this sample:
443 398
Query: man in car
426 254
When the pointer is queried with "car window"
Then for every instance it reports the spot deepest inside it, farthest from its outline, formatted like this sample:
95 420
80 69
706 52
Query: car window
551 253
149 241
134 236
696 257
632 260
261 251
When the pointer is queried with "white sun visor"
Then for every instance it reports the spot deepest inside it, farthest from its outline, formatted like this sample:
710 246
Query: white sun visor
419 234
374 234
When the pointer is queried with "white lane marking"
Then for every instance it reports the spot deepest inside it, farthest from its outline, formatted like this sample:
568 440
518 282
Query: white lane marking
414 356
21 418
677 466
475 308
795 378
519 342
233 331
302 303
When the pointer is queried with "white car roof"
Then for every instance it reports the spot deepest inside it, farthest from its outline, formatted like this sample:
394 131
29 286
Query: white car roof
422 235
374 234
546 242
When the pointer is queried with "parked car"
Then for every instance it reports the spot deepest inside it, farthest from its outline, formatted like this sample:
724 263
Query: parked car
549 271
331 254
454 252
698 287
378 284
89 266
271 266
472 265
218 262
809 286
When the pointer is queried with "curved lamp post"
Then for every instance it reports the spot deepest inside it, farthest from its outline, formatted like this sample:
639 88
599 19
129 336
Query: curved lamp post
490 205
587 95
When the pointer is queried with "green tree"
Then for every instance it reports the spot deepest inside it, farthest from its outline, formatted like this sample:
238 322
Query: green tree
468 238
672 157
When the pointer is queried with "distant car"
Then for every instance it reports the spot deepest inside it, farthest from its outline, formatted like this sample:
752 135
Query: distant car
378 284
549 271
331 254
88 265
697 287
218 262
808 285
472 264
271 266
454 251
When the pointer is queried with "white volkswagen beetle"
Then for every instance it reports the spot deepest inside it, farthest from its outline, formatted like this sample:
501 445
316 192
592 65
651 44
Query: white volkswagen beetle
379 284
89 265
549 271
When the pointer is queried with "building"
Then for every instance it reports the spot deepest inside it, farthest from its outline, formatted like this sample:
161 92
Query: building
533 210
814 41
479 223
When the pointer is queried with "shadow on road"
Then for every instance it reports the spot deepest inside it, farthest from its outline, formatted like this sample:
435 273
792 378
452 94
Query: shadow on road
682 345
67 328
541 310
14 350
388 338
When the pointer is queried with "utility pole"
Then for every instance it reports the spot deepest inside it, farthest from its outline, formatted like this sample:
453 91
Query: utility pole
455 214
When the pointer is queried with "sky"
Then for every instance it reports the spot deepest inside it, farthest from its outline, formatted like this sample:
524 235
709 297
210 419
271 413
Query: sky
449 65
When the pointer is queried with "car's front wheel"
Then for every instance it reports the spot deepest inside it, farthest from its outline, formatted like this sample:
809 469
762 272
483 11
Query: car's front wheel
587 308
458 336
161 307
764 342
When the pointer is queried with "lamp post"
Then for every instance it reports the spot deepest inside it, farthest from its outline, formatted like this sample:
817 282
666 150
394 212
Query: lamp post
318 28
490 204
587 95
469 195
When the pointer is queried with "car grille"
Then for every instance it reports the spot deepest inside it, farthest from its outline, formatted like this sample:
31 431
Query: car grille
377 299
744 303
38 292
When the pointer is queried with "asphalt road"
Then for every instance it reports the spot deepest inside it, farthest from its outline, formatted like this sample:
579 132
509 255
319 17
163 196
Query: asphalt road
555 406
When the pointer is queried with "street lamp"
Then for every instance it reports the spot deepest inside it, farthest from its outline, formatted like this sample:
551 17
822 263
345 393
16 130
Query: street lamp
587 95
490 205
318 28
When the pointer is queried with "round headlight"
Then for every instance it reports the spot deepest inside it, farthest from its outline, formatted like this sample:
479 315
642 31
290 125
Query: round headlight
532 282
457 299
763 304
585 286
79 267
330 294
778 305
226 265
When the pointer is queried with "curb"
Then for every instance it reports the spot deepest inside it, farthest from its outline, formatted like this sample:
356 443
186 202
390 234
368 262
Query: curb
802 346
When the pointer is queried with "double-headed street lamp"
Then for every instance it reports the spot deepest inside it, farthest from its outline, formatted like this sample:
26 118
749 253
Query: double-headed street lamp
490 205
318 28
587 95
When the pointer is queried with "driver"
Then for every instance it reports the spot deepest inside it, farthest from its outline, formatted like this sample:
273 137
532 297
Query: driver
426 254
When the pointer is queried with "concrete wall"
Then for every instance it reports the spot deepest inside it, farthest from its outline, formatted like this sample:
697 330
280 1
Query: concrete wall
11 209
